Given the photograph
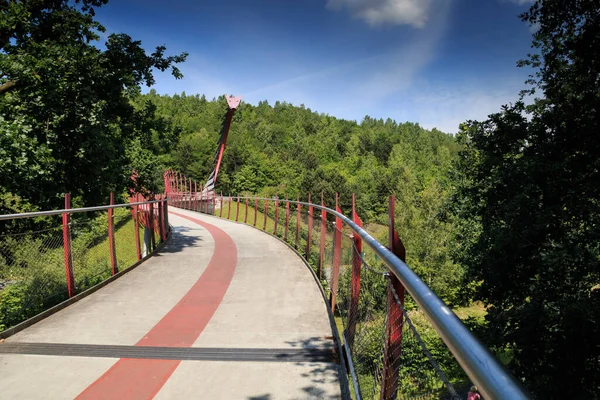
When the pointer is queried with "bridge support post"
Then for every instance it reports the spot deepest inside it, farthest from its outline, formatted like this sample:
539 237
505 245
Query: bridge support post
266 214
276 216
337 250
66 222
393 330
323 238
310 227
355 284
111 236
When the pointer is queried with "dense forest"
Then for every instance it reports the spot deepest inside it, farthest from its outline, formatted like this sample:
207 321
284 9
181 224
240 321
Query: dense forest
506 212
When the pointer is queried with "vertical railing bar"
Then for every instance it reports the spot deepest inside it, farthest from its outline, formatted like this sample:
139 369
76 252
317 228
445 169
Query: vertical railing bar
276 215
111 236
310 227
323 238
355 284
337 247
287 218
255 210
298 224
395 318
67 249
266 214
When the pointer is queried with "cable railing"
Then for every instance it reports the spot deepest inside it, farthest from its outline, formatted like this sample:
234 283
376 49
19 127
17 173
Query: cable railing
400 339
47 257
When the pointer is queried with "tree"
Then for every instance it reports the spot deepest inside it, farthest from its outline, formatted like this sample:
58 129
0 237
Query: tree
528 184
66 104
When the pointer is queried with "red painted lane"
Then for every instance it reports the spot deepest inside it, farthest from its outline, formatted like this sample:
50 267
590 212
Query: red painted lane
180 327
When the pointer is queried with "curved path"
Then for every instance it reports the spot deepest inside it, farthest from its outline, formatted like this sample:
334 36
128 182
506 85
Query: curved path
222 311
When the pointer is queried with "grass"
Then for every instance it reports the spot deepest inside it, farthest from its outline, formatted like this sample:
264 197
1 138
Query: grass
476 310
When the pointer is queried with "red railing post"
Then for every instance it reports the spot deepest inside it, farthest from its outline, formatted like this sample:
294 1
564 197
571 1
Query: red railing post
166 218
310 226
323 238
287 218
266 214
190 198
111 236
276 215
298 224
237 209
337 249
161 223
136 226
66 221
229 208
151 224
355 285
221 211
393 331
196 195
246 214
255 210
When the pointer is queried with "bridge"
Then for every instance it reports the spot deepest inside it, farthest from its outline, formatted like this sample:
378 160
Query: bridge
194 295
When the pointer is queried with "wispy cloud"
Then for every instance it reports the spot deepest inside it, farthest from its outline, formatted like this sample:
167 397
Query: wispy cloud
386 12
522 2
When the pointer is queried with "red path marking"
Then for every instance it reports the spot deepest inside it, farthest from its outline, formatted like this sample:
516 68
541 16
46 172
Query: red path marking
180 327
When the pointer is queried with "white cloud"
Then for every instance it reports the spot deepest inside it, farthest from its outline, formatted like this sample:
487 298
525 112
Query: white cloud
387 12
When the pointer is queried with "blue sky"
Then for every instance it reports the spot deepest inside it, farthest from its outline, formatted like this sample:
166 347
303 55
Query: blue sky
435 62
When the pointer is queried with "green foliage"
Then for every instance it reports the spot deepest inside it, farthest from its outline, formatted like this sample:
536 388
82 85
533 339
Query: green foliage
528 185
291 151
65 103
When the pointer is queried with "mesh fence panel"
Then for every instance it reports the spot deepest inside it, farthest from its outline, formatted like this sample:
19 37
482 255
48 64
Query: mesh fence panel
125 239
32 274
90 249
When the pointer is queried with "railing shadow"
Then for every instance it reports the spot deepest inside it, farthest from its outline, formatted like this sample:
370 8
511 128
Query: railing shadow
181 238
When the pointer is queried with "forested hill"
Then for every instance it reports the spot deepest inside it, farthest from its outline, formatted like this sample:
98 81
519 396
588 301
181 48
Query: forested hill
290 150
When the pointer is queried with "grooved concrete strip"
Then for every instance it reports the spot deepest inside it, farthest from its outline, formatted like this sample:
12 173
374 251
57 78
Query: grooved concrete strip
169 353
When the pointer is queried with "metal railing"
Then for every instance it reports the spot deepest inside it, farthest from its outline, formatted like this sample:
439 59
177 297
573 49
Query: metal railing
60 253
493 380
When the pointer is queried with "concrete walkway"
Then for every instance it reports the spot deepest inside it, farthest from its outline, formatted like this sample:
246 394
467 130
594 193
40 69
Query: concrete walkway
222 312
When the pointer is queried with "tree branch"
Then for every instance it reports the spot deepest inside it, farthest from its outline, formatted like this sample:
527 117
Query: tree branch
5 87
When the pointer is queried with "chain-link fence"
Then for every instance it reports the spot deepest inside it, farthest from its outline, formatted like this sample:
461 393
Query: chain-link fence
41 268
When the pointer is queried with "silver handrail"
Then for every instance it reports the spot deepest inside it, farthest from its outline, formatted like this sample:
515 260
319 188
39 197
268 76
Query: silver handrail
493 380
75 210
